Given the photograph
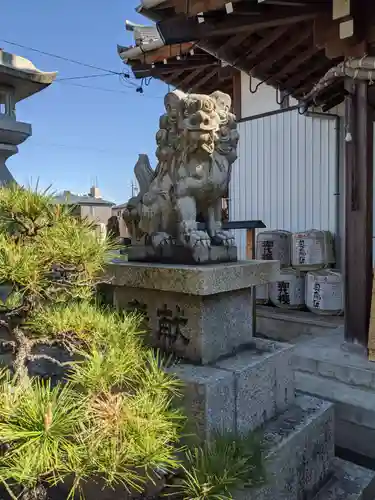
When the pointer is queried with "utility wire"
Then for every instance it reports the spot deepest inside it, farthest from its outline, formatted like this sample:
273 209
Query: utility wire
83 77
124 77
103 89
73 61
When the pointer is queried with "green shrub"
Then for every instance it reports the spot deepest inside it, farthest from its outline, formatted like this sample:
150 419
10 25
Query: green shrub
217 469
111 418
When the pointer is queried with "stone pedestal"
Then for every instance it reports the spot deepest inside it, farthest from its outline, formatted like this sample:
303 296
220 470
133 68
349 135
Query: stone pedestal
199 313
234 381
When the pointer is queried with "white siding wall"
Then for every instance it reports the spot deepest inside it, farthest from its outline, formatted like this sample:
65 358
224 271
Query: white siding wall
263 100
286 173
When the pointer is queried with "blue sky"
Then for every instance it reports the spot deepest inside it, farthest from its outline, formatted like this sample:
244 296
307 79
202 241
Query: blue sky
80 134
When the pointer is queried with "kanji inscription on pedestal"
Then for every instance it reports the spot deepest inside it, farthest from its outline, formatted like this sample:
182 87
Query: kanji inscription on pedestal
169 326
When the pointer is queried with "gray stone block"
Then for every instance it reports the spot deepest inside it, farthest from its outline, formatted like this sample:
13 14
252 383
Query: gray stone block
286 326
264 382
354 410
326 368
195 280
196 328
354 437
300 449
333 361
348 482
208 399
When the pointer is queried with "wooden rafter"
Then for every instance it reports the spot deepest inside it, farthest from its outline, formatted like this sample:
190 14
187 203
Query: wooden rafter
246 40
269 19
304 87
276 55
206 78
188 79
296 3
173 77
234 40
272 36
297 80
293 65
225 53
194 7
180 29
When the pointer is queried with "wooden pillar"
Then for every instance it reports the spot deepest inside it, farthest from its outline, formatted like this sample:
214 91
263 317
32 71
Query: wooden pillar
358 212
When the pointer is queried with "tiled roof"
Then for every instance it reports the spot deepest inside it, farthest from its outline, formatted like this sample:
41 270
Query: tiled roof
74 199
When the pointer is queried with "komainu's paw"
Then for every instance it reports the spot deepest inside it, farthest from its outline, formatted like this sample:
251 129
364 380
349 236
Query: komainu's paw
195 238
161 240
224 238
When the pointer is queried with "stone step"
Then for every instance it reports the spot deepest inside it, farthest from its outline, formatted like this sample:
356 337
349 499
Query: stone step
326 368
320 358
239 393
300 449
354 410
264 382
348 482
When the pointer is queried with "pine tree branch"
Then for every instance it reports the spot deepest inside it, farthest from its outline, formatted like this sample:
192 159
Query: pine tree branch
23 350
45 357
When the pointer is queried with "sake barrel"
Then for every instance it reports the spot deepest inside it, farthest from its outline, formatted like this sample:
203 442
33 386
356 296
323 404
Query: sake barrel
274 245
289 291
312 250
324 292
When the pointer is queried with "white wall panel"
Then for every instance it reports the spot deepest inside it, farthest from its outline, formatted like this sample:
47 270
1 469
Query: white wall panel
286 173
263 100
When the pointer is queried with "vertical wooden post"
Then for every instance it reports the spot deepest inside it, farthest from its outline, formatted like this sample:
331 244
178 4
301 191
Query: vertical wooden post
250 244
251 255
358 212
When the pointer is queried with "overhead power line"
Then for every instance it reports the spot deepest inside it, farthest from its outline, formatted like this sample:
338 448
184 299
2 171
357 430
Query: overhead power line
125 78
83 77
67 59
103 89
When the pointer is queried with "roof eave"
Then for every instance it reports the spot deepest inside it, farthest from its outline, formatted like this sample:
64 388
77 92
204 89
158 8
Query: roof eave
138 51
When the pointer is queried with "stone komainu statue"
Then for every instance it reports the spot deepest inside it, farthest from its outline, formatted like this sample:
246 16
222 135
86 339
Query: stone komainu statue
196 147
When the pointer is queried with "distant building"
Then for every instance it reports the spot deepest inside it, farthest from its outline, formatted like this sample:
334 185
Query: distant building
117 211
91 206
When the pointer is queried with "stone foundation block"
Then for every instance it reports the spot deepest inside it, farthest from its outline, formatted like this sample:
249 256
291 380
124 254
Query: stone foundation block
348 482
325 368
299 452
199 313
208 401
196 328
264 381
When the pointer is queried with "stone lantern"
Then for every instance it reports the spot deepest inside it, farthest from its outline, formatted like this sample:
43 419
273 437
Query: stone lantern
19 79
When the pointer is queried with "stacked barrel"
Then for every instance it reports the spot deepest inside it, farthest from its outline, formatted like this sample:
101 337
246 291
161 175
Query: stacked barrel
307 279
